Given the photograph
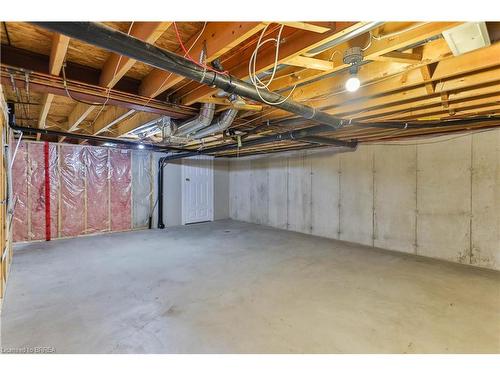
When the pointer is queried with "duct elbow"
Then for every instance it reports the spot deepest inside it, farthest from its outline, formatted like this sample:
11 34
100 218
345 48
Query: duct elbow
201 121
222 123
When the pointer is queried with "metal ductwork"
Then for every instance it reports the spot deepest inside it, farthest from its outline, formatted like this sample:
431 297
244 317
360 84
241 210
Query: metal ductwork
115 41
221 124
201 121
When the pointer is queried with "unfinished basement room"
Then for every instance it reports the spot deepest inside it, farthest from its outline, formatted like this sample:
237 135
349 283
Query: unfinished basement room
250 187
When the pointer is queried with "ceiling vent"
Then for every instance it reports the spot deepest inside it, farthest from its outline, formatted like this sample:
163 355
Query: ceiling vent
467 37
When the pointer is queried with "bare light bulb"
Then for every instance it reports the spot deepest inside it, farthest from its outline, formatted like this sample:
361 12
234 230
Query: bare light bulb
352 84
140 147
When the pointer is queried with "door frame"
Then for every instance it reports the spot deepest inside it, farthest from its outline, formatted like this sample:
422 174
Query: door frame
183 186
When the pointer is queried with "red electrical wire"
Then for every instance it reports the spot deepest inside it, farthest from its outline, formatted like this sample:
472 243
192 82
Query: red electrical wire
186 54
47 190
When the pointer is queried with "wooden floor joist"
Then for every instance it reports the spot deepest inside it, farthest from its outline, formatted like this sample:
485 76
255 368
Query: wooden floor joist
408 73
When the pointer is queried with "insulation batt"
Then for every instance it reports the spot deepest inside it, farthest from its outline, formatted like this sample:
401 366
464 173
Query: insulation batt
90 190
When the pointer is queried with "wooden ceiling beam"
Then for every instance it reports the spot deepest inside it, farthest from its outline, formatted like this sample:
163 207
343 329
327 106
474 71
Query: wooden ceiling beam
310 63
376 49
426 72
456 108
218 37
136 120
78 114
58 51
430 109
445 68
399 57
440 100
116 66
448 75
295 44
111 116
445 97
315 27
391 78
91 93
368 108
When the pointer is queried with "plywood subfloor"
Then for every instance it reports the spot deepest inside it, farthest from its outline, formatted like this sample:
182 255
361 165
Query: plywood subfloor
233 287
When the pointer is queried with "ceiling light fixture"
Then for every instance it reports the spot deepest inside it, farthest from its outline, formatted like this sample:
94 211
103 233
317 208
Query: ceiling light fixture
352 84
353 56
140 147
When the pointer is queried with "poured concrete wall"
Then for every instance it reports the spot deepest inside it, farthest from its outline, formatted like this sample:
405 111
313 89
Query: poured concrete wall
221 189
438 197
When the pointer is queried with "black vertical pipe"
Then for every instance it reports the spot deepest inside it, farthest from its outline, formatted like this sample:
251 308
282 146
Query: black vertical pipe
11 112
161 164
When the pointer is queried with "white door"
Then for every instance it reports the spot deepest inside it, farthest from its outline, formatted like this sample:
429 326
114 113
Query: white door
197 189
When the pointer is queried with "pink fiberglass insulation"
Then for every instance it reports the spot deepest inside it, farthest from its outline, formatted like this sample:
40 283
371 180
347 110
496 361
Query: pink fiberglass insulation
36 191
96 178
20 192
121 183
96 163
72 177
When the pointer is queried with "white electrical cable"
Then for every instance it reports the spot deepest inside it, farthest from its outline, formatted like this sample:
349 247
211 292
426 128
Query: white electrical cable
253 59
370 38
15 152
252 70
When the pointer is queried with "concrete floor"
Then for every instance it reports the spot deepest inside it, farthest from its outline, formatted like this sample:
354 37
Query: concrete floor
233 287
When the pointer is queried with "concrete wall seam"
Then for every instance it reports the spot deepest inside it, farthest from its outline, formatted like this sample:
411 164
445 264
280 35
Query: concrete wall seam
438 198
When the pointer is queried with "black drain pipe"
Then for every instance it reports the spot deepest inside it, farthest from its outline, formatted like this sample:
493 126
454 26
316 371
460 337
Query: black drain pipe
95 138
112 40
307 133
161 164
288 136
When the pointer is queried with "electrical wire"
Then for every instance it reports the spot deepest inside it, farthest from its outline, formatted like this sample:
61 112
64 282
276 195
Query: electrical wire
188 56
333 54
112 131
7 33
192 45
254 79
16 91
370 38
253 59
65 84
